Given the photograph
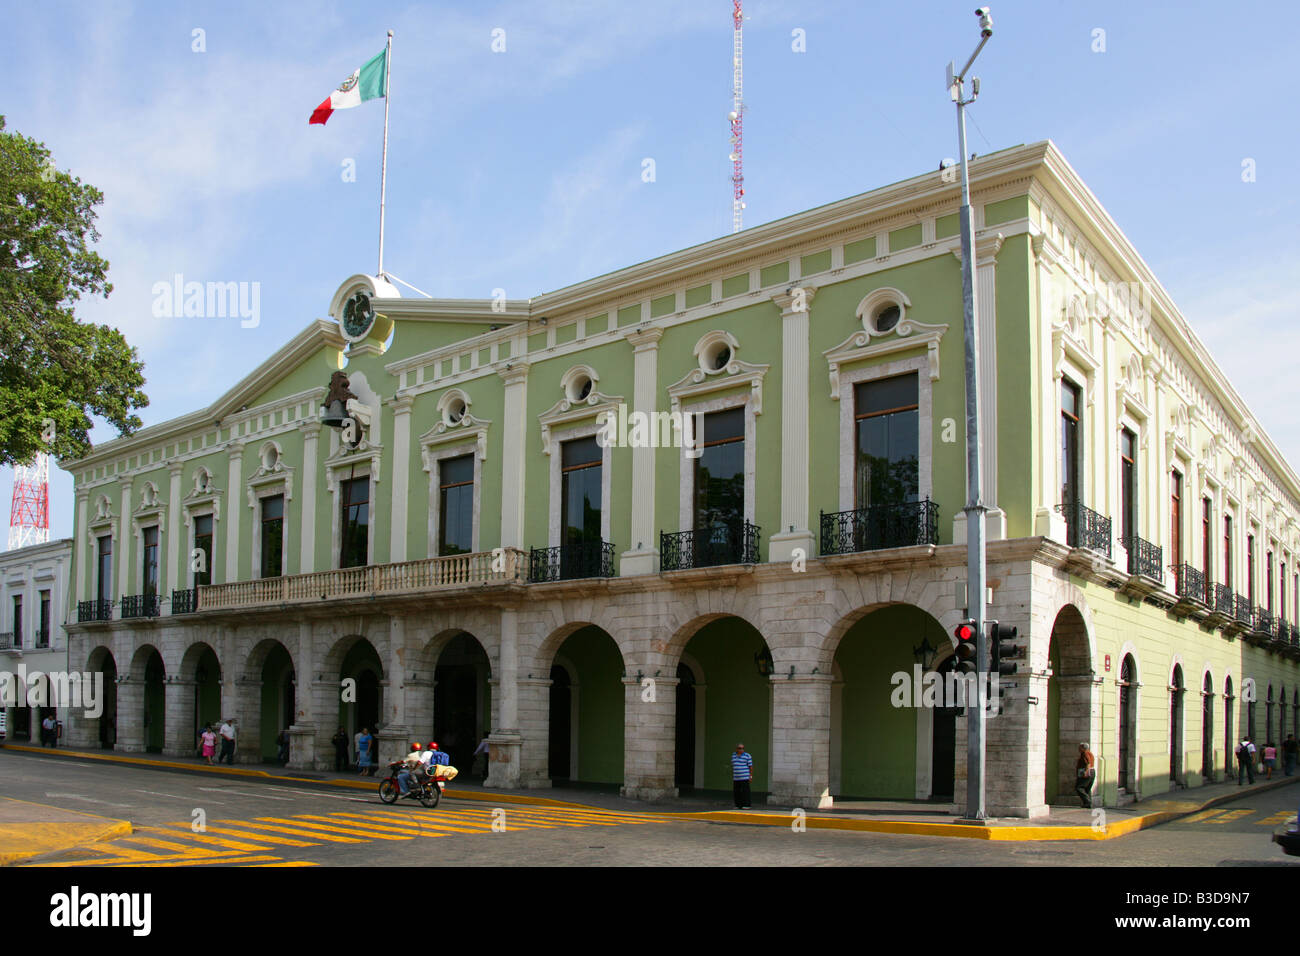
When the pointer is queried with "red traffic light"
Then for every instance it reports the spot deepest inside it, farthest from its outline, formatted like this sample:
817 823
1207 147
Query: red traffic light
965 631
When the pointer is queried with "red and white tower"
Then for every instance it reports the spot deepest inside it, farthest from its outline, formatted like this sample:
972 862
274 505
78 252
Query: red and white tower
737 116
29 513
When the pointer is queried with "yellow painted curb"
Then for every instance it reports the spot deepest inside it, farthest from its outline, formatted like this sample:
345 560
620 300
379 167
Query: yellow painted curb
40 837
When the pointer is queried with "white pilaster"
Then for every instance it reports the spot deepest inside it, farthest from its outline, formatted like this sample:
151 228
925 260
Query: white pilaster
234 484
642 556
794 533
307 548
125 537
170 573
514 443
82 583
401 475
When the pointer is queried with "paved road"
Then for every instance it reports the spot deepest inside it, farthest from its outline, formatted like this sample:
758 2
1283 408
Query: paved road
256 823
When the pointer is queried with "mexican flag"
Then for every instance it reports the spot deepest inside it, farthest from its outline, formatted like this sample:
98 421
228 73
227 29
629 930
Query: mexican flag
367 83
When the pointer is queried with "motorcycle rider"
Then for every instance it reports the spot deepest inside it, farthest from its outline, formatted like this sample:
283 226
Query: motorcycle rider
436 759
412 763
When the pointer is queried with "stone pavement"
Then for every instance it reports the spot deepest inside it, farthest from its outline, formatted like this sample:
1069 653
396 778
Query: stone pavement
920 818
32 829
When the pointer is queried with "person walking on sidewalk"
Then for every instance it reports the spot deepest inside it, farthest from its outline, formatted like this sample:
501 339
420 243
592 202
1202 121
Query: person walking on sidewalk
363 752
742 772
1289 747
227 732
1245 761
487 757
1085 769
47 731
1270 759
340 742
208 741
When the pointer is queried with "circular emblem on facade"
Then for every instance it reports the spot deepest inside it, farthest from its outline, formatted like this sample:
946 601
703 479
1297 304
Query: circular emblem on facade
350 82
358 316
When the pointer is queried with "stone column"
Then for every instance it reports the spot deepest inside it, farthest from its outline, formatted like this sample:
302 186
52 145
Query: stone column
130 715
801 734
535 731
81 586
795 457
401 406
642 556
514 444
307 551
650 738
234 493
125 538
178 718
506 741
310 733
248 719
170 573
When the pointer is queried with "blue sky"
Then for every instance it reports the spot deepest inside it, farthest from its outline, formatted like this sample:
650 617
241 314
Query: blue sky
521 170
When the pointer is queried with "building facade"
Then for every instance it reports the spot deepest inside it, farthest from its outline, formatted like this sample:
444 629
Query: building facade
33 606
717 497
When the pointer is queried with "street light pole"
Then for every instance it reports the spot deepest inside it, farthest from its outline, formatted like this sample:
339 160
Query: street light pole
976 570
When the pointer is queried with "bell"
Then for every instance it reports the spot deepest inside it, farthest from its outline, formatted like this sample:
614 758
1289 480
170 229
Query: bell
335 415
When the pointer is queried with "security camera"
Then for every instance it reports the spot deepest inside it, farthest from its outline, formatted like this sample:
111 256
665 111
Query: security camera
986 21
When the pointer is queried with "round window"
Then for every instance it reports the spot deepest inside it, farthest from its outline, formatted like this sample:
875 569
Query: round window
888 317
579 388
455 411
270 458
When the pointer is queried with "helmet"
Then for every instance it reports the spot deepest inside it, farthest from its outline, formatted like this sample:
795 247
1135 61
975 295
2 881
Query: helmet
415 748
433 745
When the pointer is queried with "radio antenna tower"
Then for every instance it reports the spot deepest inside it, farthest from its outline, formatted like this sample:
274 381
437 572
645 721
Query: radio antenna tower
737 116
29 512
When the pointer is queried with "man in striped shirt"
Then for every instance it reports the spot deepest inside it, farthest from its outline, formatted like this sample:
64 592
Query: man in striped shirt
742 772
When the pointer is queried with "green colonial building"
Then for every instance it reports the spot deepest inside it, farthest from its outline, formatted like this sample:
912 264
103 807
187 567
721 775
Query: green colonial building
444 540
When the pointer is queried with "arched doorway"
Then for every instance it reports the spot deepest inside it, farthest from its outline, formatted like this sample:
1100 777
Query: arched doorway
201 666
155 703
587 704
461 699
1069 703
883 747
278 695
687 727
1176 725
1128 781
944 742
102 730
361 672
1268 723
1229 740
738 708
1207 730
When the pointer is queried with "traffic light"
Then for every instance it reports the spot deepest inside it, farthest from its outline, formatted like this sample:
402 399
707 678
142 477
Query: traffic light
1002 649
965 634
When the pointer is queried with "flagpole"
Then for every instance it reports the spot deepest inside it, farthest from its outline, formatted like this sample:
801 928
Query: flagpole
383 167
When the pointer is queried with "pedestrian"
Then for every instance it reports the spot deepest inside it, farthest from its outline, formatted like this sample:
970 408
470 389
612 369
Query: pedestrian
283 742
47 731
1289 748
340 742
208 743
363 751
1085 769
1245 761
487 757
374 751
227 734
356 746
742 772
1270 759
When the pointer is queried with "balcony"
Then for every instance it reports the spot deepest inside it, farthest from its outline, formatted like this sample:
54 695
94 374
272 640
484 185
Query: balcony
1242 611
1144 558
140 605
43 639
1223 600
1085 528
1189 583
588 559
729 542
94 611
7 642
503 566
186 601
882 526
1264 622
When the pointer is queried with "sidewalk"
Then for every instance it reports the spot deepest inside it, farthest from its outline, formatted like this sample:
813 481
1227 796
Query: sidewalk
921 819
32 829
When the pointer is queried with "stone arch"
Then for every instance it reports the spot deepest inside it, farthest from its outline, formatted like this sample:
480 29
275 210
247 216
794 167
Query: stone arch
146 701
201 673
1177 721
267 697
1207 725
464 706
586 703
355 666
1128 690
1069 701
1229 727
101 731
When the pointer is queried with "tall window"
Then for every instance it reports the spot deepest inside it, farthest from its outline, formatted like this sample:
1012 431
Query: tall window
1176 517
1281 595
273 536
456 505
1227 551
1250 567
1205 548
1071 412
18 620
580 496
887 420
720 471
149 569
203 542
43 635
355 523
104 582
1128 485
1268 565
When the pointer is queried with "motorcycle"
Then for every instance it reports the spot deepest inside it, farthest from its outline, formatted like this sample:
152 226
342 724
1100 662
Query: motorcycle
427 790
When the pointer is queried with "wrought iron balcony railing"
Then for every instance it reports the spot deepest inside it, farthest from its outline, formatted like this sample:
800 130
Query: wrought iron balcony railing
881 526
1223 600
1144 558
730 542
1264 622
7 641
1085 528
587 559
1242 611
185 601
140 605
94 611
43 639
1189 583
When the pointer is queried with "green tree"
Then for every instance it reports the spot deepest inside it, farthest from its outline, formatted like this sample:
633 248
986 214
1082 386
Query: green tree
54 371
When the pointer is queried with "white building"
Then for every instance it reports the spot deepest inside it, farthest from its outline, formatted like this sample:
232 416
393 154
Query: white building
33 608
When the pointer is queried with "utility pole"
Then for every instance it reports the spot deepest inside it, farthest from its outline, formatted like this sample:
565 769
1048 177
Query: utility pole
976 570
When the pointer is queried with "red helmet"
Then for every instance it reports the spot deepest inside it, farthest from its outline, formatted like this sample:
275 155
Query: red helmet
433 745
415 748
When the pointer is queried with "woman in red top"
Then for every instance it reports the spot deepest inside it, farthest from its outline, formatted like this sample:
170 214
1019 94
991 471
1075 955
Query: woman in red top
1086 772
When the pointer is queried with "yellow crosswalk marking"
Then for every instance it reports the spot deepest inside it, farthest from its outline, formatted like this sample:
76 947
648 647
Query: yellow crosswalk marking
209 840
1202 816
229 828
1231 815
300 831
308 822
1282 816
182 849
289 863
224 861
419 825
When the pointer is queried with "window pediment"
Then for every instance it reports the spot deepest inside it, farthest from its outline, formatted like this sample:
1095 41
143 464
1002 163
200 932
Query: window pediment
906 336
568 412
468 429
697 383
